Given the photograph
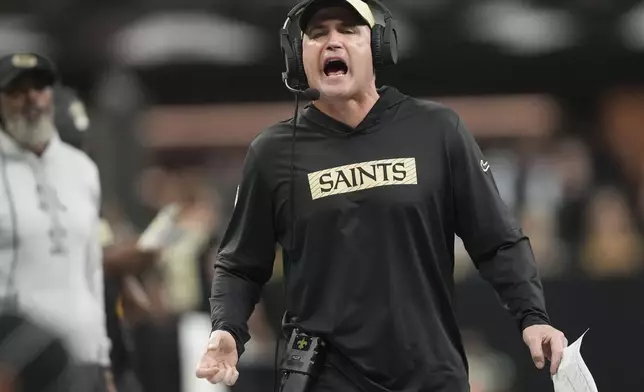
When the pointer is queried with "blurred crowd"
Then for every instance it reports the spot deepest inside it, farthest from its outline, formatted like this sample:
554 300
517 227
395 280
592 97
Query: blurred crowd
584 222
580 222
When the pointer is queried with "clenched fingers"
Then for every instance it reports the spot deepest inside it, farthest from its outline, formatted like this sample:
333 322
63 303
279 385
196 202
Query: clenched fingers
219 376
536 350
557 345
206 372
231 375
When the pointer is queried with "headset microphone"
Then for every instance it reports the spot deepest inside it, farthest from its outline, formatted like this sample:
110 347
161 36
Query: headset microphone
310 94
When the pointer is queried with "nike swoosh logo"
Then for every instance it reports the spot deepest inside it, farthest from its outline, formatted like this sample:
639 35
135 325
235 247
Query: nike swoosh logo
485 166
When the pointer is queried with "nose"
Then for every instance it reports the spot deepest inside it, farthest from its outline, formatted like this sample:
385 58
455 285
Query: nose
33 94
334 41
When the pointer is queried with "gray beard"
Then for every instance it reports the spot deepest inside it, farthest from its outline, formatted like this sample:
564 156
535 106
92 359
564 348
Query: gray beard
31 133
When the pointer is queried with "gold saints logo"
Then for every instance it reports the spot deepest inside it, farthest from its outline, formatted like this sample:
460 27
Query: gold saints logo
302 343
363 175
24 61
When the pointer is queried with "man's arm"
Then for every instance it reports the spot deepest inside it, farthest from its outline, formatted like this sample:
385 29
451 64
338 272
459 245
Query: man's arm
245 258
493 238
126 259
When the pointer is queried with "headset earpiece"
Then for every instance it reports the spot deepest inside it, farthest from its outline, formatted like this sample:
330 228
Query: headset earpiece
301 74
291 59
377 46
384 40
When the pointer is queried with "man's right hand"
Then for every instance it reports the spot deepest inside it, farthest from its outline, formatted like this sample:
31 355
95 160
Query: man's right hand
218 363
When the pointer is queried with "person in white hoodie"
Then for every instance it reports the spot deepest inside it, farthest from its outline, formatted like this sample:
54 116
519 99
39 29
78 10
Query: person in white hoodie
50 252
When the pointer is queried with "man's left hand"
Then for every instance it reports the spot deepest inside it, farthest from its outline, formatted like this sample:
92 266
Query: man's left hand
545 342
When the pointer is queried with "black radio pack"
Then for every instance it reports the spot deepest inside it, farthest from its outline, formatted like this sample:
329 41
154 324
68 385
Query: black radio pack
302 361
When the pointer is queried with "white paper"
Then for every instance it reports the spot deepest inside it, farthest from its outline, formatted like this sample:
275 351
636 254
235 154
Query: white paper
573 374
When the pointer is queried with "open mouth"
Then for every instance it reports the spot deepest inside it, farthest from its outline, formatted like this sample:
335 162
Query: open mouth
335 67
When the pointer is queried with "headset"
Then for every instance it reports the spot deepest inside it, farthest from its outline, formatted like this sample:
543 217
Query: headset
384 45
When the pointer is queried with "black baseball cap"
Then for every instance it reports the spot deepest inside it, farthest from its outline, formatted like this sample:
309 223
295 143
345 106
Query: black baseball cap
17 64
359 6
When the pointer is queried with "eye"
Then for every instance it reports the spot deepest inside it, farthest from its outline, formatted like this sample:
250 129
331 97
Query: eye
316 32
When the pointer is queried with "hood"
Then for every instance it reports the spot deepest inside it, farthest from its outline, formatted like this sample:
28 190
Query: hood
383 111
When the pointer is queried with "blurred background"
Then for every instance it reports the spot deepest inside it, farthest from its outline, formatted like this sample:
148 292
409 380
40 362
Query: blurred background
552 90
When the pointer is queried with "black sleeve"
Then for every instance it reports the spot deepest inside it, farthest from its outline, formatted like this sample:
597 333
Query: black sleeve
493 238
246 254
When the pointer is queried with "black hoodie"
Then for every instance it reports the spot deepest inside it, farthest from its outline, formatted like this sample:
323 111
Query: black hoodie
376 211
